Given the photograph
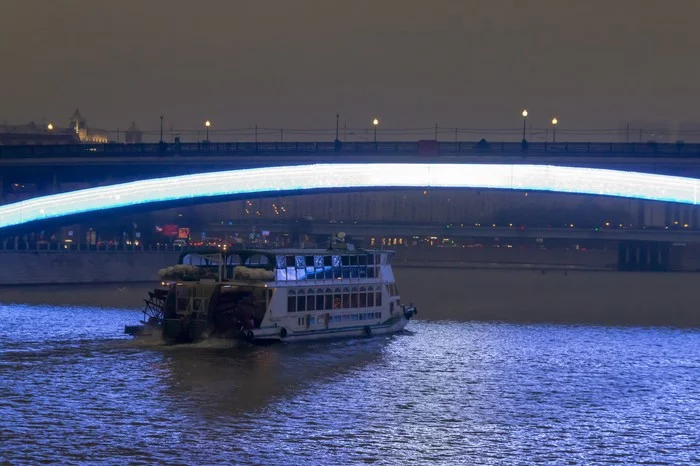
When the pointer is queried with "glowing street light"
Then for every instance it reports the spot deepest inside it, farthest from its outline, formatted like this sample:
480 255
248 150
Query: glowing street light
524 122
554 130
375 123
49 126
207 124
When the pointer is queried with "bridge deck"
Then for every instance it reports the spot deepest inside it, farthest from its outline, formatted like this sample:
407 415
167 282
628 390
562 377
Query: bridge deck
573 149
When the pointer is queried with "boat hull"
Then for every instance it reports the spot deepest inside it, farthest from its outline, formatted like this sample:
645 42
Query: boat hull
276 333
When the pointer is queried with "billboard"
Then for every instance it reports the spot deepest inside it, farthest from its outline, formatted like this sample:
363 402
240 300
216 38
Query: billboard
170 230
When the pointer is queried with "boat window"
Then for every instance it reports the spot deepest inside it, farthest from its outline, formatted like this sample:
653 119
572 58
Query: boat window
300 262
320 304
327 261
370 299
318 262
291 302
281 262
362 260
354 299
301 303
290 261
234 259
371 272
363 299
291 273
378 298
353 260
336 261
345 260
310 302
336 300
309 261
370 259
257 259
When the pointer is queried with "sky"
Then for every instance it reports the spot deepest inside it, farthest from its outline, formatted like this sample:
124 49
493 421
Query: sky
296 63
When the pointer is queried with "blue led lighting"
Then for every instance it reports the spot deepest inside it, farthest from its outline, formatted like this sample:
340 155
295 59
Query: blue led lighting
329 176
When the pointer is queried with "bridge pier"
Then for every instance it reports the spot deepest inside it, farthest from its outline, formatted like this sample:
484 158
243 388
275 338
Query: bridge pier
644 256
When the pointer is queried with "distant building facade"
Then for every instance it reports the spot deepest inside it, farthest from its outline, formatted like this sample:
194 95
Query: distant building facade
133 135
32 133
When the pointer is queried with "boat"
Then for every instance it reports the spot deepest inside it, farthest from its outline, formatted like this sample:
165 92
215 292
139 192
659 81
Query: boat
267 295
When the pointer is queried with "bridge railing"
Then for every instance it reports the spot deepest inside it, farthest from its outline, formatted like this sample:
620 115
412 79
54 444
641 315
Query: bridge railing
357 148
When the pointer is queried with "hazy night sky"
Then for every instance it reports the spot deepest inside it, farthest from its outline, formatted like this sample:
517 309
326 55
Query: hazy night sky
294 63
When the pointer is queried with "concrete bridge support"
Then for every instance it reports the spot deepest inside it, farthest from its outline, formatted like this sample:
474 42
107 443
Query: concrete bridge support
646 256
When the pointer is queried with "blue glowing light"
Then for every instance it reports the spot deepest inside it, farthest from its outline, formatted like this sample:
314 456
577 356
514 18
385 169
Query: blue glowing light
333 176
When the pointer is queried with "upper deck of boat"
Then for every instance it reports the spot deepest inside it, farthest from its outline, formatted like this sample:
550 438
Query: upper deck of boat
244 254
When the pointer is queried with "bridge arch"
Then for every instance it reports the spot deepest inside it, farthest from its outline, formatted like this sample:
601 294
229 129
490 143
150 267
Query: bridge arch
306 178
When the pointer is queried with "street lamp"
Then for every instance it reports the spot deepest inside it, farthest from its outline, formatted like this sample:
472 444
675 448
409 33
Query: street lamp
375 123
207 124
554 130
524 122
49 126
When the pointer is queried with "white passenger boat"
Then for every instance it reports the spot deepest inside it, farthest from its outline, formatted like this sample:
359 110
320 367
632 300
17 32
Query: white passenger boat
278 295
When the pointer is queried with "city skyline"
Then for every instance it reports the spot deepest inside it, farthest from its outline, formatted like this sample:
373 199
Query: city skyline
464 65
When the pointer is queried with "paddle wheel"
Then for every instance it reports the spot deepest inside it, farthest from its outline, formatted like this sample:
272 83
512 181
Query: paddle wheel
153 313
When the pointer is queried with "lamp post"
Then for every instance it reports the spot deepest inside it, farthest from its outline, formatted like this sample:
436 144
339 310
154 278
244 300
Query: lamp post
49 127
207 124
337 126
554 130
375 123
524 122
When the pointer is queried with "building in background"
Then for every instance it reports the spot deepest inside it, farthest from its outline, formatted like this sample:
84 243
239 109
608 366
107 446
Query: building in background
49 133
133 135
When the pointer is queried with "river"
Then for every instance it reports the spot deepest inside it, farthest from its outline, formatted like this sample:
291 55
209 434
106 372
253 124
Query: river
451 390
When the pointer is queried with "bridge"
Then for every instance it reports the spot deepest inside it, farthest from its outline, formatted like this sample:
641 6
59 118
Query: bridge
336 176
48 167
456 231
413 165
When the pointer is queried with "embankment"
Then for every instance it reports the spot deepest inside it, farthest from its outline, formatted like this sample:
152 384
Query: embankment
51 267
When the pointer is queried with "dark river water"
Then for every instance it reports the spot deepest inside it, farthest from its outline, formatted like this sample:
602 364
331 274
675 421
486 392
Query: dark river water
74 390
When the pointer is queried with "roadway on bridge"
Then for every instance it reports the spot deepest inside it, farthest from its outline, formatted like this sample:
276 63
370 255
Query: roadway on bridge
461 231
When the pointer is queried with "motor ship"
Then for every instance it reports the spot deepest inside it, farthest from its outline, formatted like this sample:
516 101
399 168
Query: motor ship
276 295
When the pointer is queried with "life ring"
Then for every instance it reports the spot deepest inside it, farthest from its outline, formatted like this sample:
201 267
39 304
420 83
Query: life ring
283 332
368 331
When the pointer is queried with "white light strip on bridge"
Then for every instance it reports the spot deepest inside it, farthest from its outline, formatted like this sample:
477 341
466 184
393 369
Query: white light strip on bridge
333 176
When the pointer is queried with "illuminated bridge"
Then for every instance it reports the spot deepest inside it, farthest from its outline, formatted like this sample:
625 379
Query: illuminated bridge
292 179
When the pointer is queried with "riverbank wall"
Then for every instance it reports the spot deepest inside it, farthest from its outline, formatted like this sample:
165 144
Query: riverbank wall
82 267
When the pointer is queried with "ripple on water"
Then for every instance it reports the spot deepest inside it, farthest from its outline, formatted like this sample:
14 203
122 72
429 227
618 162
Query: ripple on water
74 390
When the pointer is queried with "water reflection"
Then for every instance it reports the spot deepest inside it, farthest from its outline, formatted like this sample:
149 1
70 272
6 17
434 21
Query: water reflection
243 377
